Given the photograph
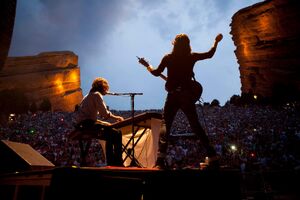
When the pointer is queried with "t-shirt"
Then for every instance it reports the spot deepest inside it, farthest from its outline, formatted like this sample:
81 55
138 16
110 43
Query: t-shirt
91 107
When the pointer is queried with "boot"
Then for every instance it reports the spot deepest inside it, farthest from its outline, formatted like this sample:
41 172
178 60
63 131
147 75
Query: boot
161 164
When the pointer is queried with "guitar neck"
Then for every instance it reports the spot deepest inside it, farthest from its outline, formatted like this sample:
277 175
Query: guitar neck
146 64
163 77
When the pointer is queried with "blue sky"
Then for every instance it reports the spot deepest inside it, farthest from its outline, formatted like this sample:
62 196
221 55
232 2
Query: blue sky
107 35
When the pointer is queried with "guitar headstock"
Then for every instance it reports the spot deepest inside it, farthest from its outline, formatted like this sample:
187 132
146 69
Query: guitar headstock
149 67
143 61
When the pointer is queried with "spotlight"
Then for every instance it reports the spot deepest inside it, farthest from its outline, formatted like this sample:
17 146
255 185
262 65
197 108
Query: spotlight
12 117
233 147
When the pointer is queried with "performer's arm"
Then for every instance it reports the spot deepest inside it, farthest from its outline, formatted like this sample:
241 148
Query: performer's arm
104 123
211 52
103 111
158 71
218 39
112 116
116 117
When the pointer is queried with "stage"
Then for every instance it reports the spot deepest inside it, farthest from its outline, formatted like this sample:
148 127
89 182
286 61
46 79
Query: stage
27 175
120 183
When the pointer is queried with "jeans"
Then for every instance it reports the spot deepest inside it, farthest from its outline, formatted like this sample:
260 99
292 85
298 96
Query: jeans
181 100
113 138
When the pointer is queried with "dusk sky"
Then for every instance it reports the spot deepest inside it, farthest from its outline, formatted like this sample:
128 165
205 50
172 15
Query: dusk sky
107 35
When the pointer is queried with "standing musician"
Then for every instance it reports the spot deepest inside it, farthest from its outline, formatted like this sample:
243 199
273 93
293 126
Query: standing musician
179 85
87 114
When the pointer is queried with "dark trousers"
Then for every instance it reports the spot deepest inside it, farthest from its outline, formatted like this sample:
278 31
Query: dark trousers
113 138
181 100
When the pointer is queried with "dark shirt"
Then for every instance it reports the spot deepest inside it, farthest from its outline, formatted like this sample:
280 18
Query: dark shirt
180 68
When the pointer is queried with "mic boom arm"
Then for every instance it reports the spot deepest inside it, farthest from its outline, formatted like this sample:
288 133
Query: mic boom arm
123 94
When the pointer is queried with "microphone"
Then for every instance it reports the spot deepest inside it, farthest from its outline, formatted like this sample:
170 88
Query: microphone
113 93
123 94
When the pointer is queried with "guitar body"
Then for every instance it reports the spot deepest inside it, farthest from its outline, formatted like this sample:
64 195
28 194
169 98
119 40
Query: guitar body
196 89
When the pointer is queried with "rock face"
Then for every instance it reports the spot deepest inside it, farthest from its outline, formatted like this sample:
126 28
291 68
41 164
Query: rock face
7 20
51 75
267 40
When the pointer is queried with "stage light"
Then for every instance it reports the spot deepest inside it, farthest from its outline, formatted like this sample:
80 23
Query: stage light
245 48
59 85
233 148
32 131
255 97
12 117
206 160
73 77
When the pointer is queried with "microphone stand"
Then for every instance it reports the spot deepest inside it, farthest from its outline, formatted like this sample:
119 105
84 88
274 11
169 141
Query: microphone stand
132 95
133 161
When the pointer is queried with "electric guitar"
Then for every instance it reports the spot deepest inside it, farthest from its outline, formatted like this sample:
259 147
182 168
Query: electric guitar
196 87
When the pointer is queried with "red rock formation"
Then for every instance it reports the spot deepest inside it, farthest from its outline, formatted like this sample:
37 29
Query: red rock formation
7 21
51 75
267 38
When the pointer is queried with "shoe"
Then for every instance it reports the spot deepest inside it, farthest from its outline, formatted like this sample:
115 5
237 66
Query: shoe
118 163
161 164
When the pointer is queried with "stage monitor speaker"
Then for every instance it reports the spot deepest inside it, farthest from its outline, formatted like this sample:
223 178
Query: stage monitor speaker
17 157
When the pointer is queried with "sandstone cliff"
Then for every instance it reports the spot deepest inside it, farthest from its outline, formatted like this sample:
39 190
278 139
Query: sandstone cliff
51 75
267 38
7 21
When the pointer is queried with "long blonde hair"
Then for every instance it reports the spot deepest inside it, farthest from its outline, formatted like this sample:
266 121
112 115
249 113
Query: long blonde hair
181 45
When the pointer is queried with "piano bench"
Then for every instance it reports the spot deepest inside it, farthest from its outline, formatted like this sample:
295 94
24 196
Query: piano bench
84 138
83 134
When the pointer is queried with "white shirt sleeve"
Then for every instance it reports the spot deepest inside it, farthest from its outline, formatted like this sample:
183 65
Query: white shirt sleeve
101 106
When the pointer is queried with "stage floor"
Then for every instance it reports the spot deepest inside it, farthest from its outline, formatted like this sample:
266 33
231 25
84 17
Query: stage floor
133 183
120 183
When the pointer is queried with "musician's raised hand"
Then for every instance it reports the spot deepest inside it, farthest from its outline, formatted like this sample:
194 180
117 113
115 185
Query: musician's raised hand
143 61
219 37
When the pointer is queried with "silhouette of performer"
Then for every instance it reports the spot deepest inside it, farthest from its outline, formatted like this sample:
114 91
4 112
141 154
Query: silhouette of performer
180 63
87 114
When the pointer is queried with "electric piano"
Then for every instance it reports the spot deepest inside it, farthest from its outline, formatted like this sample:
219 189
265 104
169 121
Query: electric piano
133 130
140 138
142 119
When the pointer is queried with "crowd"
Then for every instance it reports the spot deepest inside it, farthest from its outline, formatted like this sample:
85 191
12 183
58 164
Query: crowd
252 137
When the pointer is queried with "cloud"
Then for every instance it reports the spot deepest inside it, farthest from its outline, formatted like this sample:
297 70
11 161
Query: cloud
108 34
47 25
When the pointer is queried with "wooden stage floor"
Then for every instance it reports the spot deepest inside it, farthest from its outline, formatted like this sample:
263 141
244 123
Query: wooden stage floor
130 183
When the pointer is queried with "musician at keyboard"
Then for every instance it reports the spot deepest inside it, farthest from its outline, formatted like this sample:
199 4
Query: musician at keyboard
91 114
